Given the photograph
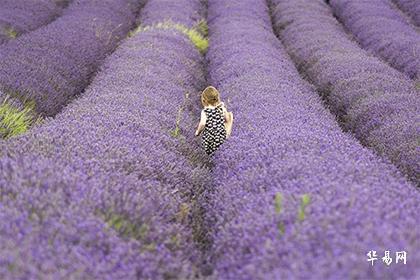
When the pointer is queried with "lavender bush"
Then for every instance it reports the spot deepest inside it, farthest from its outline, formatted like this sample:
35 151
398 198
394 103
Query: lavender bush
294 197
377 103
188 14
106 189
21 16
380 28
49 66
411 7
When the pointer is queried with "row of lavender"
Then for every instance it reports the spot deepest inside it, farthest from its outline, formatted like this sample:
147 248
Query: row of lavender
20 16
294 197
376 102
44 69
103 190
381 28
411 7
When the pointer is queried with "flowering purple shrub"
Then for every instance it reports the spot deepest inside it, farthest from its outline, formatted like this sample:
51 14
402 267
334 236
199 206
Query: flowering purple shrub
52 64
379 104
59 223
175 11
105 190
411 7
294 197
380 28
21 16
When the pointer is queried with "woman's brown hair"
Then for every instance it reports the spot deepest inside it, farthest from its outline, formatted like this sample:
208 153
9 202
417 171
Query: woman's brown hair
210 96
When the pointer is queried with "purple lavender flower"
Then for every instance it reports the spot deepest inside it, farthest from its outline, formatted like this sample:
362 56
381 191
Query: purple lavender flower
21 16
105 190
411 7
294 197
51 65
116 186
381 28
378 104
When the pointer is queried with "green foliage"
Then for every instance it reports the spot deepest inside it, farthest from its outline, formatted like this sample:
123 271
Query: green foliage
176 132
14 121
10 32
306 199
202 27
278 202
281 228
174 242
194 34
182 215
150 247
278 206
125 227
198 40
131 33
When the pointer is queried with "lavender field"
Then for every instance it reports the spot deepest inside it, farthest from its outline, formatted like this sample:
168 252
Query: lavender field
101 176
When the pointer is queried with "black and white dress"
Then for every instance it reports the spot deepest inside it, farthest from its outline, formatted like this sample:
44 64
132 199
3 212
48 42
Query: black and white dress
214 132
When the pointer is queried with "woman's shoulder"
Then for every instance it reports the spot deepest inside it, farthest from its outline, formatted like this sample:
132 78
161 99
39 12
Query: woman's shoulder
222 105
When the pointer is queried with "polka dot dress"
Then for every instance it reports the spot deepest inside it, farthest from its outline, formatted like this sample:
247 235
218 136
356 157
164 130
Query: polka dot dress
214 132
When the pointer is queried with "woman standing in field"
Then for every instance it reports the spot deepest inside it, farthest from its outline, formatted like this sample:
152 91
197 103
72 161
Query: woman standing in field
215 120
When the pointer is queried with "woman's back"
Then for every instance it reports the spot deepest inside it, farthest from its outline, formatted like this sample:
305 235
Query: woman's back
214 132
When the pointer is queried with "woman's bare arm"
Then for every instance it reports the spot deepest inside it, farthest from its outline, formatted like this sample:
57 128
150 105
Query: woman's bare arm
202 123
225 112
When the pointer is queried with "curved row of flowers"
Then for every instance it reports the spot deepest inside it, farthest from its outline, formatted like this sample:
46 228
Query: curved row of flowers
20 16
103 190
377 103
43 70
294 196
381 28
411 7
